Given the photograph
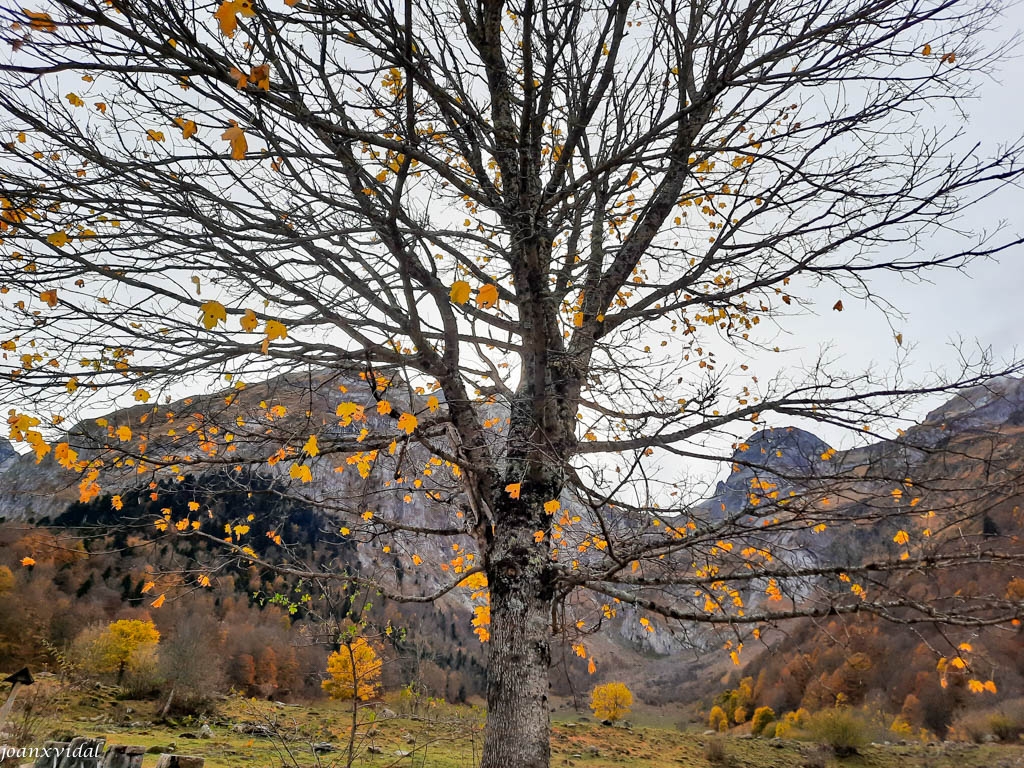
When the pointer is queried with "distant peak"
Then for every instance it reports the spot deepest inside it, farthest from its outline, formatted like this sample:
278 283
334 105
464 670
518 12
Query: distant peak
781 446
998 401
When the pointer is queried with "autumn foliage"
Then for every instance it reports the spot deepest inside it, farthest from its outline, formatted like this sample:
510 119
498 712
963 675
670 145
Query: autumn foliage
611 701
354 671
499 256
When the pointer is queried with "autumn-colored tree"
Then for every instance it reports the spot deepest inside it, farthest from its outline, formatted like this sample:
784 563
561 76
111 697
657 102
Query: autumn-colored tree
266 670
717 719
123 643
510 264
354 671
611 701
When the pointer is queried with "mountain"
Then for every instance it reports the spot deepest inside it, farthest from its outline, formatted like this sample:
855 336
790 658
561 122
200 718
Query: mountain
979 432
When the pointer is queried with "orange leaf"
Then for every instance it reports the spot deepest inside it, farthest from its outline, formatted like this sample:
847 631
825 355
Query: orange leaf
188 127
239 77
260 76
487 297
39 21
236 137
513 489
159 601
249 321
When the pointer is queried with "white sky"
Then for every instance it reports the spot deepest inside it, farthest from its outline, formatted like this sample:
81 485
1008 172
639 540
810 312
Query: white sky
984 307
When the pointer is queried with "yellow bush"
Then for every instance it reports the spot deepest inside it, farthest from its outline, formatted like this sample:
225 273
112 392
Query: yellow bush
740 715
901 727
798 718
762 716
718 720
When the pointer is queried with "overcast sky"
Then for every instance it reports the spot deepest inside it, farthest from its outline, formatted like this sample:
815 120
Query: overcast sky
985 306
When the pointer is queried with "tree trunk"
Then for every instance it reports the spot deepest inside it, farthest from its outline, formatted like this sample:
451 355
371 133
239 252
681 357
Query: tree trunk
518 722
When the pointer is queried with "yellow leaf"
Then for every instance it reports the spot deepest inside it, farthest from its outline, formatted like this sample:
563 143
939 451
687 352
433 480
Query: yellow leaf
552 506
591 666
487 296
275 330
236 137
227 15
59 239
148 586
433 404
350 412
249 321
27 561
152 135
965 647
311 447
159 601
538 536
459 293
990 686
577 320
213 313
75 100
513 489
407 423
50 297
901 537
188 127
417 560
976 686
383 407
141 396
124 433
300 472
204 580
116 502
193 506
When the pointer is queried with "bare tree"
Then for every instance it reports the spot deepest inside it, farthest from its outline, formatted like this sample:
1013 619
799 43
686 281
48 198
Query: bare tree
507 243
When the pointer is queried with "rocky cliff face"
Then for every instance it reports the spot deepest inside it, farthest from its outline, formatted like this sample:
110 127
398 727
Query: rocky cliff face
7 455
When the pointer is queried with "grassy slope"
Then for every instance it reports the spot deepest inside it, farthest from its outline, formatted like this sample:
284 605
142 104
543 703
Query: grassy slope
449 737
